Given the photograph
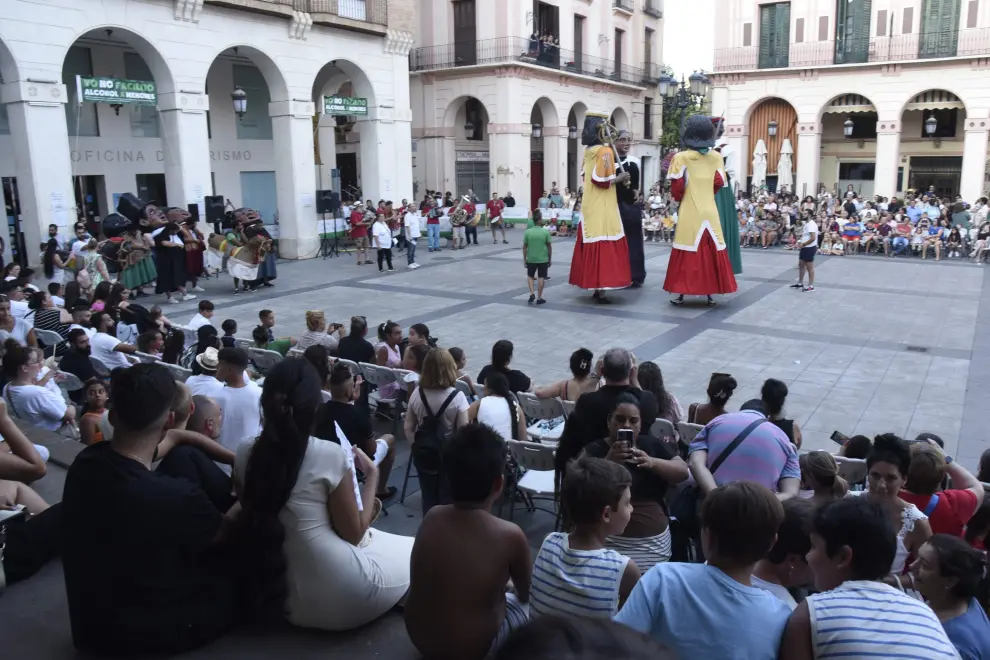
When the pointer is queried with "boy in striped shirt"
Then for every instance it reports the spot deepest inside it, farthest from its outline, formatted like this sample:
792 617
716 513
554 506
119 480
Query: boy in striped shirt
575 574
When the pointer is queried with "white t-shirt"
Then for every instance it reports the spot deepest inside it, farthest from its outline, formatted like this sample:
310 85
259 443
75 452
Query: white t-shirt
241 420
204 385
58 301
36 405
382 235
20 309
89 331
198 322
777 590
19 332
103 350
414 227
809 233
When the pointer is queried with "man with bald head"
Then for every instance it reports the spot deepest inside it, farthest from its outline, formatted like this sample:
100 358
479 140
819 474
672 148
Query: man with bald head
206 417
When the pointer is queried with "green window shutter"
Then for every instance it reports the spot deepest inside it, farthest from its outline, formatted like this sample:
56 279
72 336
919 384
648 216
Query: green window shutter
782 45
852 31
939 28
767 16
775 31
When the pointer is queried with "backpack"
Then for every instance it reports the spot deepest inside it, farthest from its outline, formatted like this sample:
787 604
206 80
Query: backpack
427 452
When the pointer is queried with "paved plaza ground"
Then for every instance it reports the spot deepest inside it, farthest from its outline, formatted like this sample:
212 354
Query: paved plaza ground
881 345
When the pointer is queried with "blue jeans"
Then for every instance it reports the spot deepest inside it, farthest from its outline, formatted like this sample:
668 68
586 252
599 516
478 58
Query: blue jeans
899 244
411 252
433 234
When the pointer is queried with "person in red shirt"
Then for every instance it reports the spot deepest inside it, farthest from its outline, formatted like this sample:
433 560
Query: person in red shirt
471 231
433 226
948 511
495 208
359 232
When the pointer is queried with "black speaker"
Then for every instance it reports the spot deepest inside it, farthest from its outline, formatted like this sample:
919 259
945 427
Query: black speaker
193 211
214 208
327 201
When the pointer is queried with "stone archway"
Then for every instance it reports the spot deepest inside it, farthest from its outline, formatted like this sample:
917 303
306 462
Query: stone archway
779 117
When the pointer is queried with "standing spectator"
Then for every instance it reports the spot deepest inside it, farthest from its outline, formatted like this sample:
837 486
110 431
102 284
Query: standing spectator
853 544
240 400
433 226
773 394
579 576
949 510
413 230
785 566
501 357
464 557
808 245
204 317
948 574
720 389
711 610
27 397
381 236
537 254
765 455
107 349
359 233
508 200
495 206
354 346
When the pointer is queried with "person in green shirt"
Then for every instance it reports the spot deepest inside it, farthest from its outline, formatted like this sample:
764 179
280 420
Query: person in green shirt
280 346
537 252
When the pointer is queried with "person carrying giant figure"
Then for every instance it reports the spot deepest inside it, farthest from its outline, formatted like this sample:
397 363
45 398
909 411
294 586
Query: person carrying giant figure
699 262
725 200
601 254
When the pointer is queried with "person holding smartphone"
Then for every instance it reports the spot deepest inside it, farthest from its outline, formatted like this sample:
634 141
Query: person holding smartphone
654 466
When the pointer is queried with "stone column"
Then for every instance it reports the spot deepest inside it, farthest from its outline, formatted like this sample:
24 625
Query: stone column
292 127
555 157
327 140
809 145
42 157
186 148
510 161
974 159
888 158
386 154
737 163
431 159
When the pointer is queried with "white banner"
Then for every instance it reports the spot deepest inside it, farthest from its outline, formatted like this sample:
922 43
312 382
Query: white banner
516 213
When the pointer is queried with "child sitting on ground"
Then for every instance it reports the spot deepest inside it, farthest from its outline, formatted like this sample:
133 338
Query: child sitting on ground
576 575
463 558
96 402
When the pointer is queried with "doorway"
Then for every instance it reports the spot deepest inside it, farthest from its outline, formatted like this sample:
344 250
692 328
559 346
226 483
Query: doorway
473 175
943 172
90 192
535 179
465 34
14 249
258 192
347 167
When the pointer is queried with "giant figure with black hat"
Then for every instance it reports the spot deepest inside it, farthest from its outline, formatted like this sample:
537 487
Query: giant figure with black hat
631 208
601 254
699 262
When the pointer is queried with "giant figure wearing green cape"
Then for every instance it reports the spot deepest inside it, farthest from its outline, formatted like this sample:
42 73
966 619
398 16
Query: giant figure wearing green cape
725 200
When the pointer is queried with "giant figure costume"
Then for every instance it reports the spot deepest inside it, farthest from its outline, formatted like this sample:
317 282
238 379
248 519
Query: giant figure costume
631 210
601 254
725 200
699 262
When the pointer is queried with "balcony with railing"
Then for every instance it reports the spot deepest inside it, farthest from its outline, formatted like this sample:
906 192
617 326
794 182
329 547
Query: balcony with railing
902 47
623 5
341 13
517 49
653 8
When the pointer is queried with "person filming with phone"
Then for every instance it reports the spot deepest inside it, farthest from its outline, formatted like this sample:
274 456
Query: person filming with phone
654 466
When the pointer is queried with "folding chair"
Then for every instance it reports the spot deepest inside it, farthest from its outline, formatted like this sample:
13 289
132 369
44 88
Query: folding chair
295 352
381 377
463 387
146 358
240 342
179 373
68 382
188 335
353 366
264 359
662 428
537 410
101 369
687 432
568 407
537 482
853 470
49 339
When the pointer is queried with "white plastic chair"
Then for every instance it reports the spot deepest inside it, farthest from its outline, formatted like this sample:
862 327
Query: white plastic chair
240 342
179 373
688 431
568 407
49 338
662 428
188 335
353 366
146 358
294 352
537 482
853 470
264 359
537 410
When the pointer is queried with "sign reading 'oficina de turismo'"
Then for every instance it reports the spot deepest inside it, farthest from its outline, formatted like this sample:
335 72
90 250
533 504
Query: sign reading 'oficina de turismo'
100 89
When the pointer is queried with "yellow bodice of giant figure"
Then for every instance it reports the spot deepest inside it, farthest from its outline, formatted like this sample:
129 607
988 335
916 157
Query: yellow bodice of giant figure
697 212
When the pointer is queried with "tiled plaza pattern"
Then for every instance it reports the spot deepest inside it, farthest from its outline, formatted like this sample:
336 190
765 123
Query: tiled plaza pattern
881 345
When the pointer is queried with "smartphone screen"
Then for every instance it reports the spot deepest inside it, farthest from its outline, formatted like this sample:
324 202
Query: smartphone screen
839 438
627 436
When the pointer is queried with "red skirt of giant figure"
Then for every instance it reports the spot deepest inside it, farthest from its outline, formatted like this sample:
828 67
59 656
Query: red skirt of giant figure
704 272
601 264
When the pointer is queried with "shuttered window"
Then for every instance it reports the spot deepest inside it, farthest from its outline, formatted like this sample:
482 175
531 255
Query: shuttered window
939 28
775 37
852 31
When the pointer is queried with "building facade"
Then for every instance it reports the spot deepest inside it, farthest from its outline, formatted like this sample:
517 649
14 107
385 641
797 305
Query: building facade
495 109
61 157
888 95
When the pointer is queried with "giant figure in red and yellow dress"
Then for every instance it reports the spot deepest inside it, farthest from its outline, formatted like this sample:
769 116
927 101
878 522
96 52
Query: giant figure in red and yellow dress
601 254
699 262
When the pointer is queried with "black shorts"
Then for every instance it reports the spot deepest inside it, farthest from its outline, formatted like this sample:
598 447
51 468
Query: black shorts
537 270
807 253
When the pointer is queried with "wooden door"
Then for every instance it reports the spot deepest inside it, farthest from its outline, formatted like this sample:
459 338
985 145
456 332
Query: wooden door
465 33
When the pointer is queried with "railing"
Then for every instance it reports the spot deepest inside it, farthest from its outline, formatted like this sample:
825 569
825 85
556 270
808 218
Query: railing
518 49
368 11
954 43
624 5
652 8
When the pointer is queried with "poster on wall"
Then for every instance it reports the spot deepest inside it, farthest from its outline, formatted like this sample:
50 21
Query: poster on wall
103 89
345 105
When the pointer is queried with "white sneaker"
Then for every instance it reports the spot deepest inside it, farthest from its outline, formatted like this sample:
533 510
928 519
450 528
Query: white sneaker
172 301
413 266
198 289
189 296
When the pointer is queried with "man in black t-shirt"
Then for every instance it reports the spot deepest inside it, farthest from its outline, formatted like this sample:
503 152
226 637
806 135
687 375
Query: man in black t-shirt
354 346
76 362
142 572
354 421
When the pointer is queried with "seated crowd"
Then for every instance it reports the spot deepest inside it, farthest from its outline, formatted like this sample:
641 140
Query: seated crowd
255 502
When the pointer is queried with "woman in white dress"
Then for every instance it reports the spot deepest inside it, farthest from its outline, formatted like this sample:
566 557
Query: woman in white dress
498 409
306 521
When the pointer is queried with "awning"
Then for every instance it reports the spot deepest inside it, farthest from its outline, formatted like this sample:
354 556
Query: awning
849 103
935 99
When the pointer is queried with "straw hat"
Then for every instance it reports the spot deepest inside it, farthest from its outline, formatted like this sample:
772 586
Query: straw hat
209 359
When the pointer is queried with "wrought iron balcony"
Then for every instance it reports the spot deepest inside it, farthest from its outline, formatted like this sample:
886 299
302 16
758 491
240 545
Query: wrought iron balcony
322 11
902 47
653 8
624 5
519 49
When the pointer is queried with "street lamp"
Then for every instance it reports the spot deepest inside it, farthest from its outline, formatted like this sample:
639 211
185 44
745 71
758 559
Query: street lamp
683 94
847 127
239 97
930 125
537 131
772 128
469 128
572 132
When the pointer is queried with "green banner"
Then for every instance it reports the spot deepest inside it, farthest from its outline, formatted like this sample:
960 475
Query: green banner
344 105
100 89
